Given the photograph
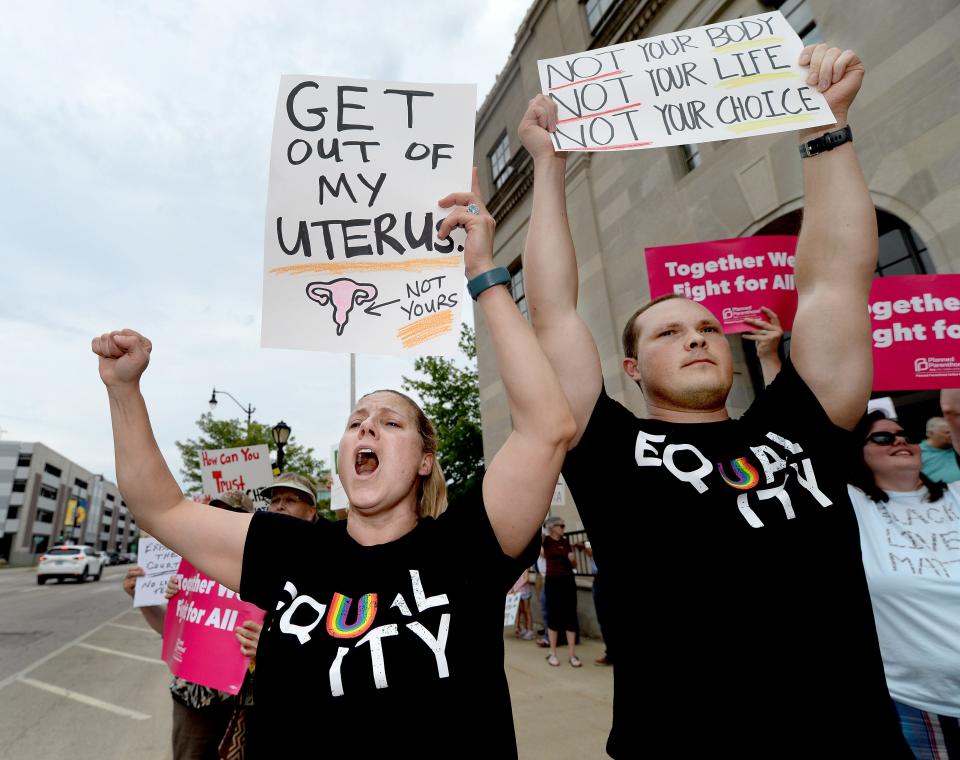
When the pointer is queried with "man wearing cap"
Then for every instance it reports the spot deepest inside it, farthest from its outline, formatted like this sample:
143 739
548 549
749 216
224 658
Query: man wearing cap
292 494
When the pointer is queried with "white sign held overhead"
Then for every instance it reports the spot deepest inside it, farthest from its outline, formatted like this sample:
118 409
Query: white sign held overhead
730 79
352 262
244 468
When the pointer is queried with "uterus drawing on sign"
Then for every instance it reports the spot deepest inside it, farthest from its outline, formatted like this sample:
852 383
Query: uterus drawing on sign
343 293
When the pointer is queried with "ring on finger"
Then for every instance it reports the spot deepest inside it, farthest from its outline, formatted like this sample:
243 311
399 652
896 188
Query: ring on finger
473 208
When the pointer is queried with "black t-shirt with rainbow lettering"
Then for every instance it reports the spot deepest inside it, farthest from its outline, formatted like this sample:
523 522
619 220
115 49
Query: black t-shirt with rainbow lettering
740 611
393 650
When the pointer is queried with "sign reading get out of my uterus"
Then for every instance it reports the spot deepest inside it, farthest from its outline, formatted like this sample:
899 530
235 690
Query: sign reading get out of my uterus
352 261
725 80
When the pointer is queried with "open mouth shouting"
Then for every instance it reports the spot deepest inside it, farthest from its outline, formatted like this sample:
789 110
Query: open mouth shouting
366 462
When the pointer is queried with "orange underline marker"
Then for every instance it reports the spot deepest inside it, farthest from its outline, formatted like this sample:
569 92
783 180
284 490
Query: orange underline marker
600 113
588 79
339 267
422 330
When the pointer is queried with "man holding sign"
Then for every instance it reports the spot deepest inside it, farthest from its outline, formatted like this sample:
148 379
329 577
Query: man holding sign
758 635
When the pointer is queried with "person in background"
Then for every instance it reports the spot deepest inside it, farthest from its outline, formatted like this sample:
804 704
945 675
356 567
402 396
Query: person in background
909 525
523 628
201 715
766 336
561 590
937 452
292 494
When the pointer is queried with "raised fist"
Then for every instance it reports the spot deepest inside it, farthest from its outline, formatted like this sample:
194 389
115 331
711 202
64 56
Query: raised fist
124 355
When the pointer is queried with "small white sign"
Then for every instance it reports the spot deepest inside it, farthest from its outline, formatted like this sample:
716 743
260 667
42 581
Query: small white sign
244 468
510 610
338 497
734 78
158 563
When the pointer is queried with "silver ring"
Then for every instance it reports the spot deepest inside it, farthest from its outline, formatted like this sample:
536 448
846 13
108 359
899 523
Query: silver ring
473 208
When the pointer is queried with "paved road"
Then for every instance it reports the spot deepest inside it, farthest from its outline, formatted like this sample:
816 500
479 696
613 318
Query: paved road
79 672
80 678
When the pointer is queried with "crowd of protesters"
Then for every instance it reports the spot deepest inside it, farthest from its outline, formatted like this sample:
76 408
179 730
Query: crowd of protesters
772 623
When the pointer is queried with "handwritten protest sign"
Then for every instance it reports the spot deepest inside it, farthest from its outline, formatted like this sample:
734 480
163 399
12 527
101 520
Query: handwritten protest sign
733 278
158 563
198 640
510 609
352 262
915 323
244 468
338 496
730 79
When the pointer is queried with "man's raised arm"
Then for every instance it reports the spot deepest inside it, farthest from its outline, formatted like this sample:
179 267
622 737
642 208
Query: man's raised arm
550 269
836 254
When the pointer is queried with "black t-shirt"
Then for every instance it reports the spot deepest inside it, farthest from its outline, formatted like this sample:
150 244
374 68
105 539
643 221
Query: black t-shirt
393 650
740 610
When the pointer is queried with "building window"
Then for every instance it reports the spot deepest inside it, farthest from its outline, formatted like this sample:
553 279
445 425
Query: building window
800 16
691 156
516 288
110 497
23 460
44 516
80 483
596 10
51 470
901 250
48 492
500 161
12 512
19 486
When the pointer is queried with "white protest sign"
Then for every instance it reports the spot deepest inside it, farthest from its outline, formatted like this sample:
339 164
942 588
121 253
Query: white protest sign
730 79
338 497
510 609
244 468
352 262
158 563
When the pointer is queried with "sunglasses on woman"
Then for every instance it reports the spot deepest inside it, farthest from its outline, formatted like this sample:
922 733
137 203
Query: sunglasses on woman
885 438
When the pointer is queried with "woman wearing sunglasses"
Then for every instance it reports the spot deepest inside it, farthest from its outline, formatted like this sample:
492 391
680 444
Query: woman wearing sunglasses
910 540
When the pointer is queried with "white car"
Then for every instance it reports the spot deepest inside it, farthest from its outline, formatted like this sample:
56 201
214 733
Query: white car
79 562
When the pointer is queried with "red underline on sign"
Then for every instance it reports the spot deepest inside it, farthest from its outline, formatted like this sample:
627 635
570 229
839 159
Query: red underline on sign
609 147
588 79
599 113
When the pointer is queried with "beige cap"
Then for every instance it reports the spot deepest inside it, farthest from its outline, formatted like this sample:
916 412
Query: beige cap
233 500
295 482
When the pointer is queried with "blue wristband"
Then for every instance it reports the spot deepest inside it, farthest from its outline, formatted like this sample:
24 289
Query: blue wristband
497 276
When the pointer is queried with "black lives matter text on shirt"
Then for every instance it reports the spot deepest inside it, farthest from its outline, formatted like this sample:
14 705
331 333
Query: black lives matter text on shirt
734 553
393 645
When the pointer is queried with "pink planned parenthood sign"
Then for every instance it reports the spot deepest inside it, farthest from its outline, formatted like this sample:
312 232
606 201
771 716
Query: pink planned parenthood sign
733 278
915 325
198 640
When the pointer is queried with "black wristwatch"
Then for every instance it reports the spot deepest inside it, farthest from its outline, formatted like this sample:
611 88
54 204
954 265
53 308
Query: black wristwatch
826 141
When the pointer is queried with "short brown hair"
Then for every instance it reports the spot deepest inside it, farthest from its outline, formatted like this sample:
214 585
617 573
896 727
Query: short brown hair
630 334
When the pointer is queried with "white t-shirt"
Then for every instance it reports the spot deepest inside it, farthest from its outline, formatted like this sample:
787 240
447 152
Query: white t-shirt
911 555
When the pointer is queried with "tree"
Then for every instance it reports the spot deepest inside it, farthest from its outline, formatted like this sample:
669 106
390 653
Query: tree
451 399
227 434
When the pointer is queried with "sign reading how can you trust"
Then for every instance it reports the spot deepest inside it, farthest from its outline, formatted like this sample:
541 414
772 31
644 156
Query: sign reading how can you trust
730 79
352 262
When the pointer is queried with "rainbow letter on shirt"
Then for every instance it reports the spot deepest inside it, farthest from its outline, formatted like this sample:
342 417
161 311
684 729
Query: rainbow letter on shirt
340 605
747 475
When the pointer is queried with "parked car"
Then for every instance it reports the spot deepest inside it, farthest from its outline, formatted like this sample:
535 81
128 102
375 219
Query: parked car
114 558
79 561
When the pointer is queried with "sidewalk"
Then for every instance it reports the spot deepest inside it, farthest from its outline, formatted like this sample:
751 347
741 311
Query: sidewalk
560 713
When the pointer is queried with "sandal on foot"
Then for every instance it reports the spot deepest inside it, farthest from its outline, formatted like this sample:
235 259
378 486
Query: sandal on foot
553 660
575 661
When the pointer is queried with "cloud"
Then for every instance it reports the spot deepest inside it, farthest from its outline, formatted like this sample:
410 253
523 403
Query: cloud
135 142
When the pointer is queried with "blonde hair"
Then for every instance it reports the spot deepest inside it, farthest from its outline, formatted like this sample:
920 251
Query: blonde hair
432 488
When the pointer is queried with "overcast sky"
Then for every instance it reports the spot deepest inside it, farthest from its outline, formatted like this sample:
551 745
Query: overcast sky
134 146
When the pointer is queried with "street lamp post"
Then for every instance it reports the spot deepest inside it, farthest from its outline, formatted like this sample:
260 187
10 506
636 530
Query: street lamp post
281 434
249 409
